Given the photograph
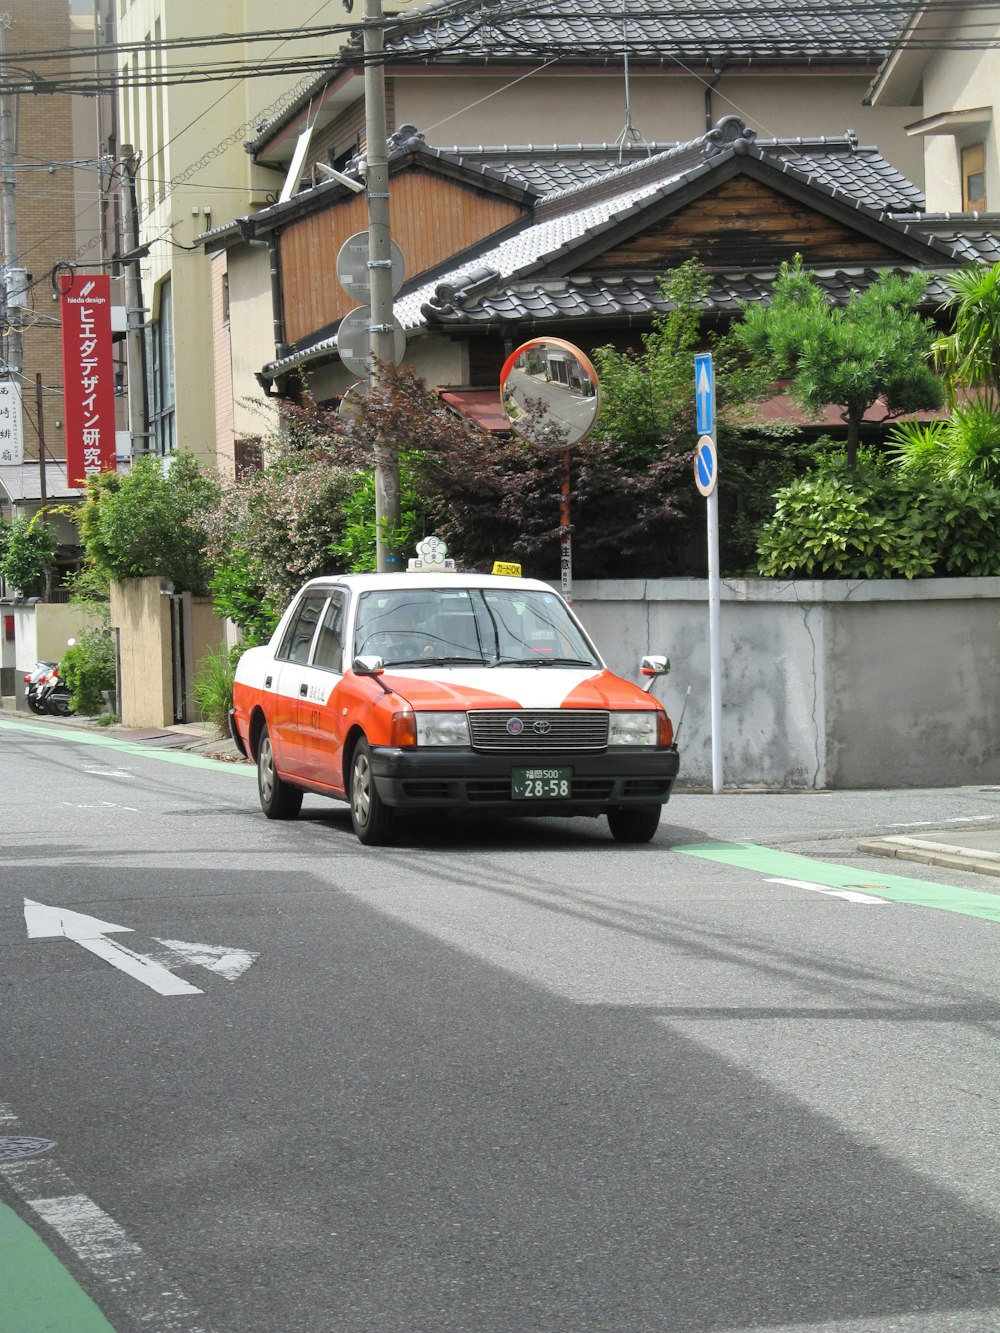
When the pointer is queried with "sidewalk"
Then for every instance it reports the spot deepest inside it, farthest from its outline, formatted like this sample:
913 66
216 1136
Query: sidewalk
971 849
198 737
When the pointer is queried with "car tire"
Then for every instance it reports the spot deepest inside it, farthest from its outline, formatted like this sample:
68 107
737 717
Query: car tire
634 823
374 822
277 799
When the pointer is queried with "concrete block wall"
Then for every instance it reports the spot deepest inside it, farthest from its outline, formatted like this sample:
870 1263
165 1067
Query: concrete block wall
825 684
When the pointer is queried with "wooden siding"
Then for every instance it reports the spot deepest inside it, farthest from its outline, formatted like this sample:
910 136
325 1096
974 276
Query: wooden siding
432 219
744 224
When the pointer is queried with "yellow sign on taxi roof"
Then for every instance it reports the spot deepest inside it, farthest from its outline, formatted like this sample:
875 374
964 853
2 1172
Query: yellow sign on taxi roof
506 567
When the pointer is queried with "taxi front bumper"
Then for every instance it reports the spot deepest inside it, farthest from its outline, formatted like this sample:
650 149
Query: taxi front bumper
446 778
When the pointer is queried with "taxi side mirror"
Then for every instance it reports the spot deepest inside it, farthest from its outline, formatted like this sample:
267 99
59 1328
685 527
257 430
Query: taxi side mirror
366 665
653 667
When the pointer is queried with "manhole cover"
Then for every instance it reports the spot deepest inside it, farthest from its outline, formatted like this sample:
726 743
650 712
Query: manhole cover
13 1146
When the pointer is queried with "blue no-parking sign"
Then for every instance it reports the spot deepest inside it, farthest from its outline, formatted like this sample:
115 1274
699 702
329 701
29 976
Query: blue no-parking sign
706 465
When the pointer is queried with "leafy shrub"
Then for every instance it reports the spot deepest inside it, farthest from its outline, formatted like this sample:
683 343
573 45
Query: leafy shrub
88 667
213 685
357 543
30 546
238 593
966 444
151 521
873 522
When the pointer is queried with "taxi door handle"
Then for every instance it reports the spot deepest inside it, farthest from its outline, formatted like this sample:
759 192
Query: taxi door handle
304 689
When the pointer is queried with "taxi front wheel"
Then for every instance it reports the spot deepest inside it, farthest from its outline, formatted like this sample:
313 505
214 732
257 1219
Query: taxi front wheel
374 822
633 823
277 799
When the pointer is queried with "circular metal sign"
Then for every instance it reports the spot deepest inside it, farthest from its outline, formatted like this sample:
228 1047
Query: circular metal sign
354 399
354 340
706 465
353 270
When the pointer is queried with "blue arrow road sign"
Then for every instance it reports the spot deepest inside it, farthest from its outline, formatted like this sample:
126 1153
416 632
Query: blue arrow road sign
704 393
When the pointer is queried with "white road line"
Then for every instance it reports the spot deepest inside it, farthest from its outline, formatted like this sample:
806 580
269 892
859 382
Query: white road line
137 965
139 1285
937 823
851 895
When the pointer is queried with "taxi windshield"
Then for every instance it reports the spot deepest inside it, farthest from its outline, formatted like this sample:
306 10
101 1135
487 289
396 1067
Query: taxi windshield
469 626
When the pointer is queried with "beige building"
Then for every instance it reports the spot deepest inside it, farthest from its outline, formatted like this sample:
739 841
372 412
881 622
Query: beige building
193 173
948 77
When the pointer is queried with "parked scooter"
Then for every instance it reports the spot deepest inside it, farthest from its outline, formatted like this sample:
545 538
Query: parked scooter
53 694
33 682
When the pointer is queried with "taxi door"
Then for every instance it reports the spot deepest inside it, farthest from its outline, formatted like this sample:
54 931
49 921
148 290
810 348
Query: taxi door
321 724
289 683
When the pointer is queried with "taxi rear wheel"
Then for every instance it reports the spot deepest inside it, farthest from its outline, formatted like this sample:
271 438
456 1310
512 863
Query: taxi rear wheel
374 822
634 823
277 799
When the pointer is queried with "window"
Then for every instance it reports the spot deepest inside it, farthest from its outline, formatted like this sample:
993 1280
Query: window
974 179
224 294
248 457
301 627
330 641
160 373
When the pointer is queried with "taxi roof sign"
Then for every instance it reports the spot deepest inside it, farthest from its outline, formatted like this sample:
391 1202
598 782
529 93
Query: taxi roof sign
507 567
431 558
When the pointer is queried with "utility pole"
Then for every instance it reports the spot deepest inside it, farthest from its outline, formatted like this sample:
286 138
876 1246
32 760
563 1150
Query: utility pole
14 278
380 277
40 417
135 341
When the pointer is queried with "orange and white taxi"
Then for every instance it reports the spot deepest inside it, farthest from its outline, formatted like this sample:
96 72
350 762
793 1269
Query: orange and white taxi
413 692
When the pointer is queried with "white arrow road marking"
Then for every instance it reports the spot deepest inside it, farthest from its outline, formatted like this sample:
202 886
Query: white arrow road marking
45 922
228 963
852 895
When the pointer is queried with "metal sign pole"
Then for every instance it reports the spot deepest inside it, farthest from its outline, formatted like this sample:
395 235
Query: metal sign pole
706 476
714 650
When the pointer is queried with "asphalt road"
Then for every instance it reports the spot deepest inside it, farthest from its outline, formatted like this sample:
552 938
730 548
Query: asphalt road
501 1078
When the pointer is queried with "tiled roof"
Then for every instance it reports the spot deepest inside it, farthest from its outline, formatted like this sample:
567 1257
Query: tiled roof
657 31
626 297
519 279
555 167
975 236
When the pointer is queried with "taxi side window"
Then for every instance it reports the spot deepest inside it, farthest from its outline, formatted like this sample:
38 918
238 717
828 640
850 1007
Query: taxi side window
301 627
329 651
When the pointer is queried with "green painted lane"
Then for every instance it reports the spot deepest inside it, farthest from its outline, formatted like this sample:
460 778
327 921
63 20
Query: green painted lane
130 747
38 1294
896 888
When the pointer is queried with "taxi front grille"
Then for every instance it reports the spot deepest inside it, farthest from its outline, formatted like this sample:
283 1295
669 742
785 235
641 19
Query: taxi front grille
523 729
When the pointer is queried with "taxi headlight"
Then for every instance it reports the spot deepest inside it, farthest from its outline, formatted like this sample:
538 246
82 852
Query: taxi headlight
442 729
632 728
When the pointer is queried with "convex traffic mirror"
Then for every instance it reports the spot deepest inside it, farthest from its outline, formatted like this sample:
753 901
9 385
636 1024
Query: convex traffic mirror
550 393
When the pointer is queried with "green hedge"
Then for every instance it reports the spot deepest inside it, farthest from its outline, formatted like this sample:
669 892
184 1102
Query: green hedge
875 522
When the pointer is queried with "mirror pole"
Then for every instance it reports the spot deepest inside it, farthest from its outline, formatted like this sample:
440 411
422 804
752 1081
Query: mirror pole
565 537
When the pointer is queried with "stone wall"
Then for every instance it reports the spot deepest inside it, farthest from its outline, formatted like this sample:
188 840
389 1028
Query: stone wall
825 684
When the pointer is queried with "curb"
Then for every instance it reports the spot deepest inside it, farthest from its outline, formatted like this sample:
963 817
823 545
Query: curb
933 854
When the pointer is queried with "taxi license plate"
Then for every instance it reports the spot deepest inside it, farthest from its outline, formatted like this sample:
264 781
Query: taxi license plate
541 784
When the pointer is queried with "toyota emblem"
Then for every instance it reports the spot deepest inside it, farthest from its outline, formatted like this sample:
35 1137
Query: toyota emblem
541 727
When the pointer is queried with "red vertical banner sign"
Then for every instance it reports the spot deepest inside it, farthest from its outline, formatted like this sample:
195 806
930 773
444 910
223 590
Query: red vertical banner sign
88 376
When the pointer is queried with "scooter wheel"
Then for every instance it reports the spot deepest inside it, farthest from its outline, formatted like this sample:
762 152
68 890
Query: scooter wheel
36 707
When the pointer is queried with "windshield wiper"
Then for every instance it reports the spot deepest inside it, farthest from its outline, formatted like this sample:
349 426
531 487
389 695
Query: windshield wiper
542 660
434 661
